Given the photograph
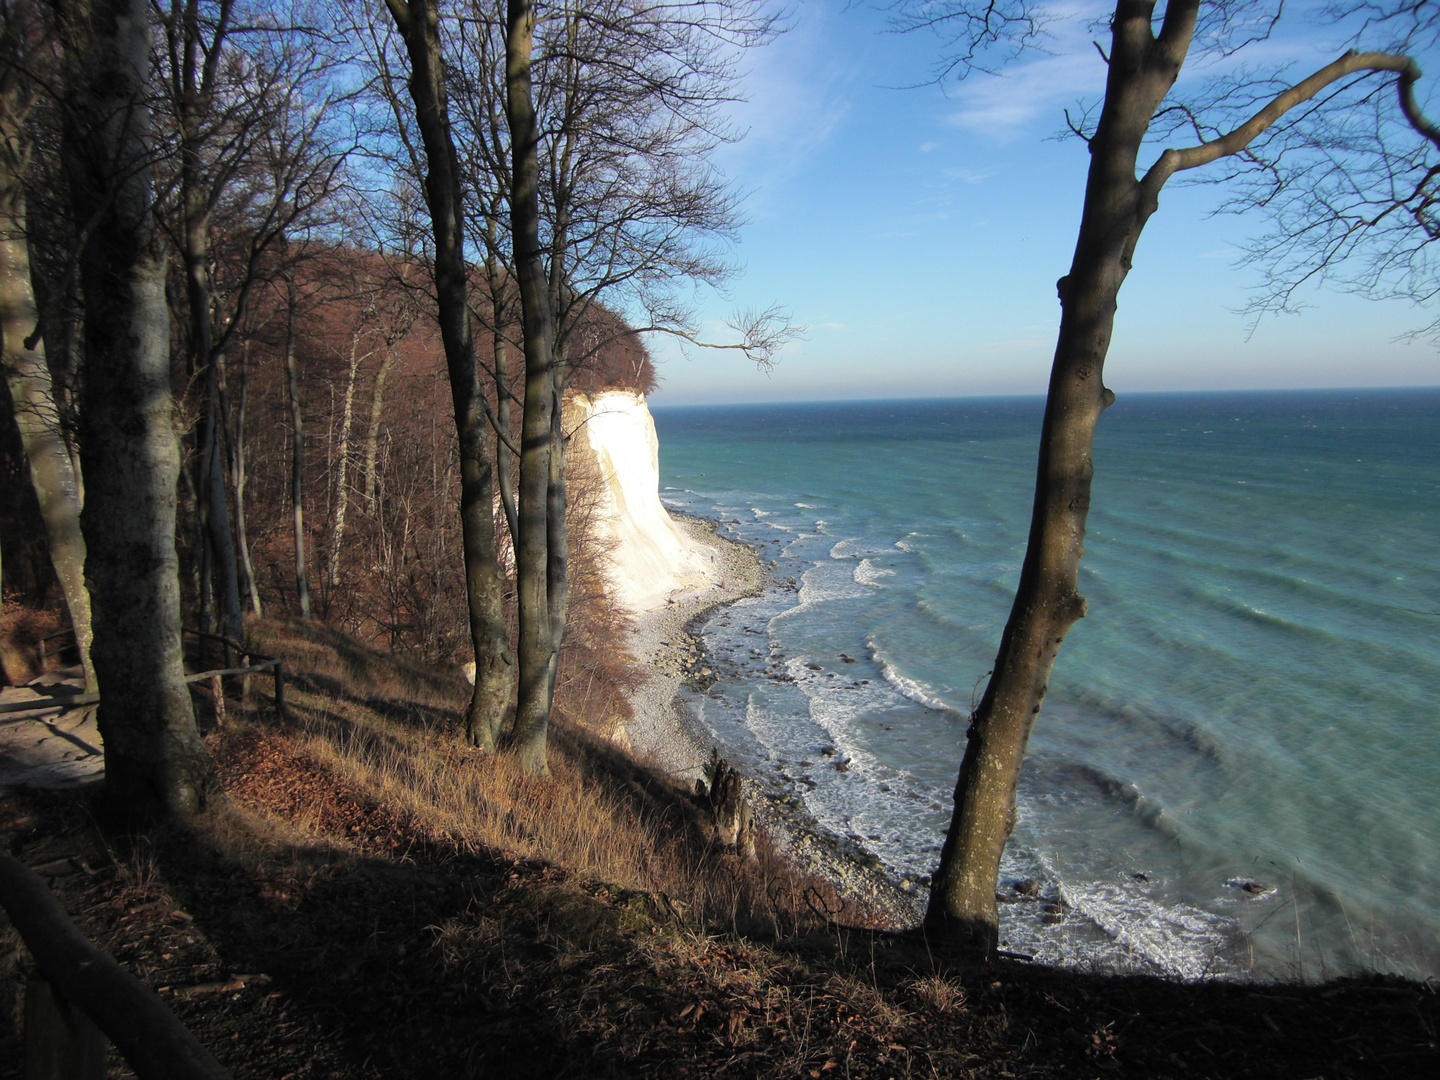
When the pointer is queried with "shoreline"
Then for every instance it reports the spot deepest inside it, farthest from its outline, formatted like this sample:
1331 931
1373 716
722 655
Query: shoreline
664 734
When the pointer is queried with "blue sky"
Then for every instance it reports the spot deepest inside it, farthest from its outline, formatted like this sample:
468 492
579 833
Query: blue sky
918 234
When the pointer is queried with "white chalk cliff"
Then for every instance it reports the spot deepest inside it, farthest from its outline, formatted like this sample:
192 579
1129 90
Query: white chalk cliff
651 561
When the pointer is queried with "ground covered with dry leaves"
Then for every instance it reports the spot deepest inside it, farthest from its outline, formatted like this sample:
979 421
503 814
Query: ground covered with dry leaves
374 945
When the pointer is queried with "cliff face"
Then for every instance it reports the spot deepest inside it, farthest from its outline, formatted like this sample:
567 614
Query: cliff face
650 562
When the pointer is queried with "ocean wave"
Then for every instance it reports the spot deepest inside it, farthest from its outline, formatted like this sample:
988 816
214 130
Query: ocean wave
821 584
1269 619
857 547
867 573
1190 736
1079 776
912 689
1175 939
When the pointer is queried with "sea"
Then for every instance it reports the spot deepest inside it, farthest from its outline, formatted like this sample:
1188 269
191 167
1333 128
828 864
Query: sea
1236 772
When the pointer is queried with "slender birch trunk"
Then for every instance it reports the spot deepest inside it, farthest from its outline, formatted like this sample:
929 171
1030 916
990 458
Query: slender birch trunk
342 480
372 431
155 761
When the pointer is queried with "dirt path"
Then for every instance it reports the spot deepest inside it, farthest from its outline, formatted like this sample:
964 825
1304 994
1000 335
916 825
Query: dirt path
49 746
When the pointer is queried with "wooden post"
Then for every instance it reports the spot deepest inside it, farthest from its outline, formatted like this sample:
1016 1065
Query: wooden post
217 691
157 1046
61 1042
280 691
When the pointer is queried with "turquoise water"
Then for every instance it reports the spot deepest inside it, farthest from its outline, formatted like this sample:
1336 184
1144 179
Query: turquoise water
1252 699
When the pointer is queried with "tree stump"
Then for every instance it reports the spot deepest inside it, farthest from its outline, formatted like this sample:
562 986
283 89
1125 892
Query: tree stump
728 807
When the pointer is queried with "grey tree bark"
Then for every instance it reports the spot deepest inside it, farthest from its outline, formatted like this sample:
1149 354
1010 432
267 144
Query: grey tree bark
194 73
235 440
538 652
500 349
297 450
31 391
342 480
372 431
155 761
419 24
1143 65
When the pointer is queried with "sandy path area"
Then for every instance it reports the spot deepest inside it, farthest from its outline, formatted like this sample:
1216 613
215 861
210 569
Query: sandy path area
42 745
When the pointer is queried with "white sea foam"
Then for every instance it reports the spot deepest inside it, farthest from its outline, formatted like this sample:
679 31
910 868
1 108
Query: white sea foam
858 547
910 688
867 573
1177 939
869 798
822 583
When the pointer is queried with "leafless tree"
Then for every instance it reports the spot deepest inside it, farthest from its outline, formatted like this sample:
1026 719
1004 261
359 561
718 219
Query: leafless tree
25 50
611 113
418 23
155 761
248 109
1147 53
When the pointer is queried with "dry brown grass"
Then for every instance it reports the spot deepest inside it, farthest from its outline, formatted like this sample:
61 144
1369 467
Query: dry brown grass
21 629
387 730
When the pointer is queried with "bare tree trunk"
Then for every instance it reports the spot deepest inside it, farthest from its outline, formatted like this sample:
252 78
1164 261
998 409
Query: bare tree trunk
372 432
297 453
237 452
32 394
500 352
1048 601
342 480
557 537
194 92
214 513
1143 66
537 645
419 25
155 761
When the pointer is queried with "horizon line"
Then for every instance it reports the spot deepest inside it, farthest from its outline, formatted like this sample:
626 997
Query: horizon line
1032 396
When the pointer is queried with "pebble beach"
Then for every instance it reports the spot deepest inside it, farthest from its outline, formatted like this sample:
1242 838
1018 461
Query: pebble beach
665 735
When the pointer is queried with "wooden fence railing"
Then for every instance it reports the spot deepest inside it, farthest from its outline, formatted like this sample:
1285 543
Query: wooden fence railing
267 663
83 997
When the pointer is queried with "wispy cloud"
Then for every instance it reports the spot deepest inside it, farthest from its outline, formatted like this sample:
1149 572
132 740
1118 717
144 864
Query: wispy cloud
969 176
797 91
1005 106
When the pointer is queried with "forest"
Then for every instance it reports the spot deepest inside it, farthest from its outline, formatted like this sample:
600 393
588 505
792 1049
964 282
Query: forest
293 293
